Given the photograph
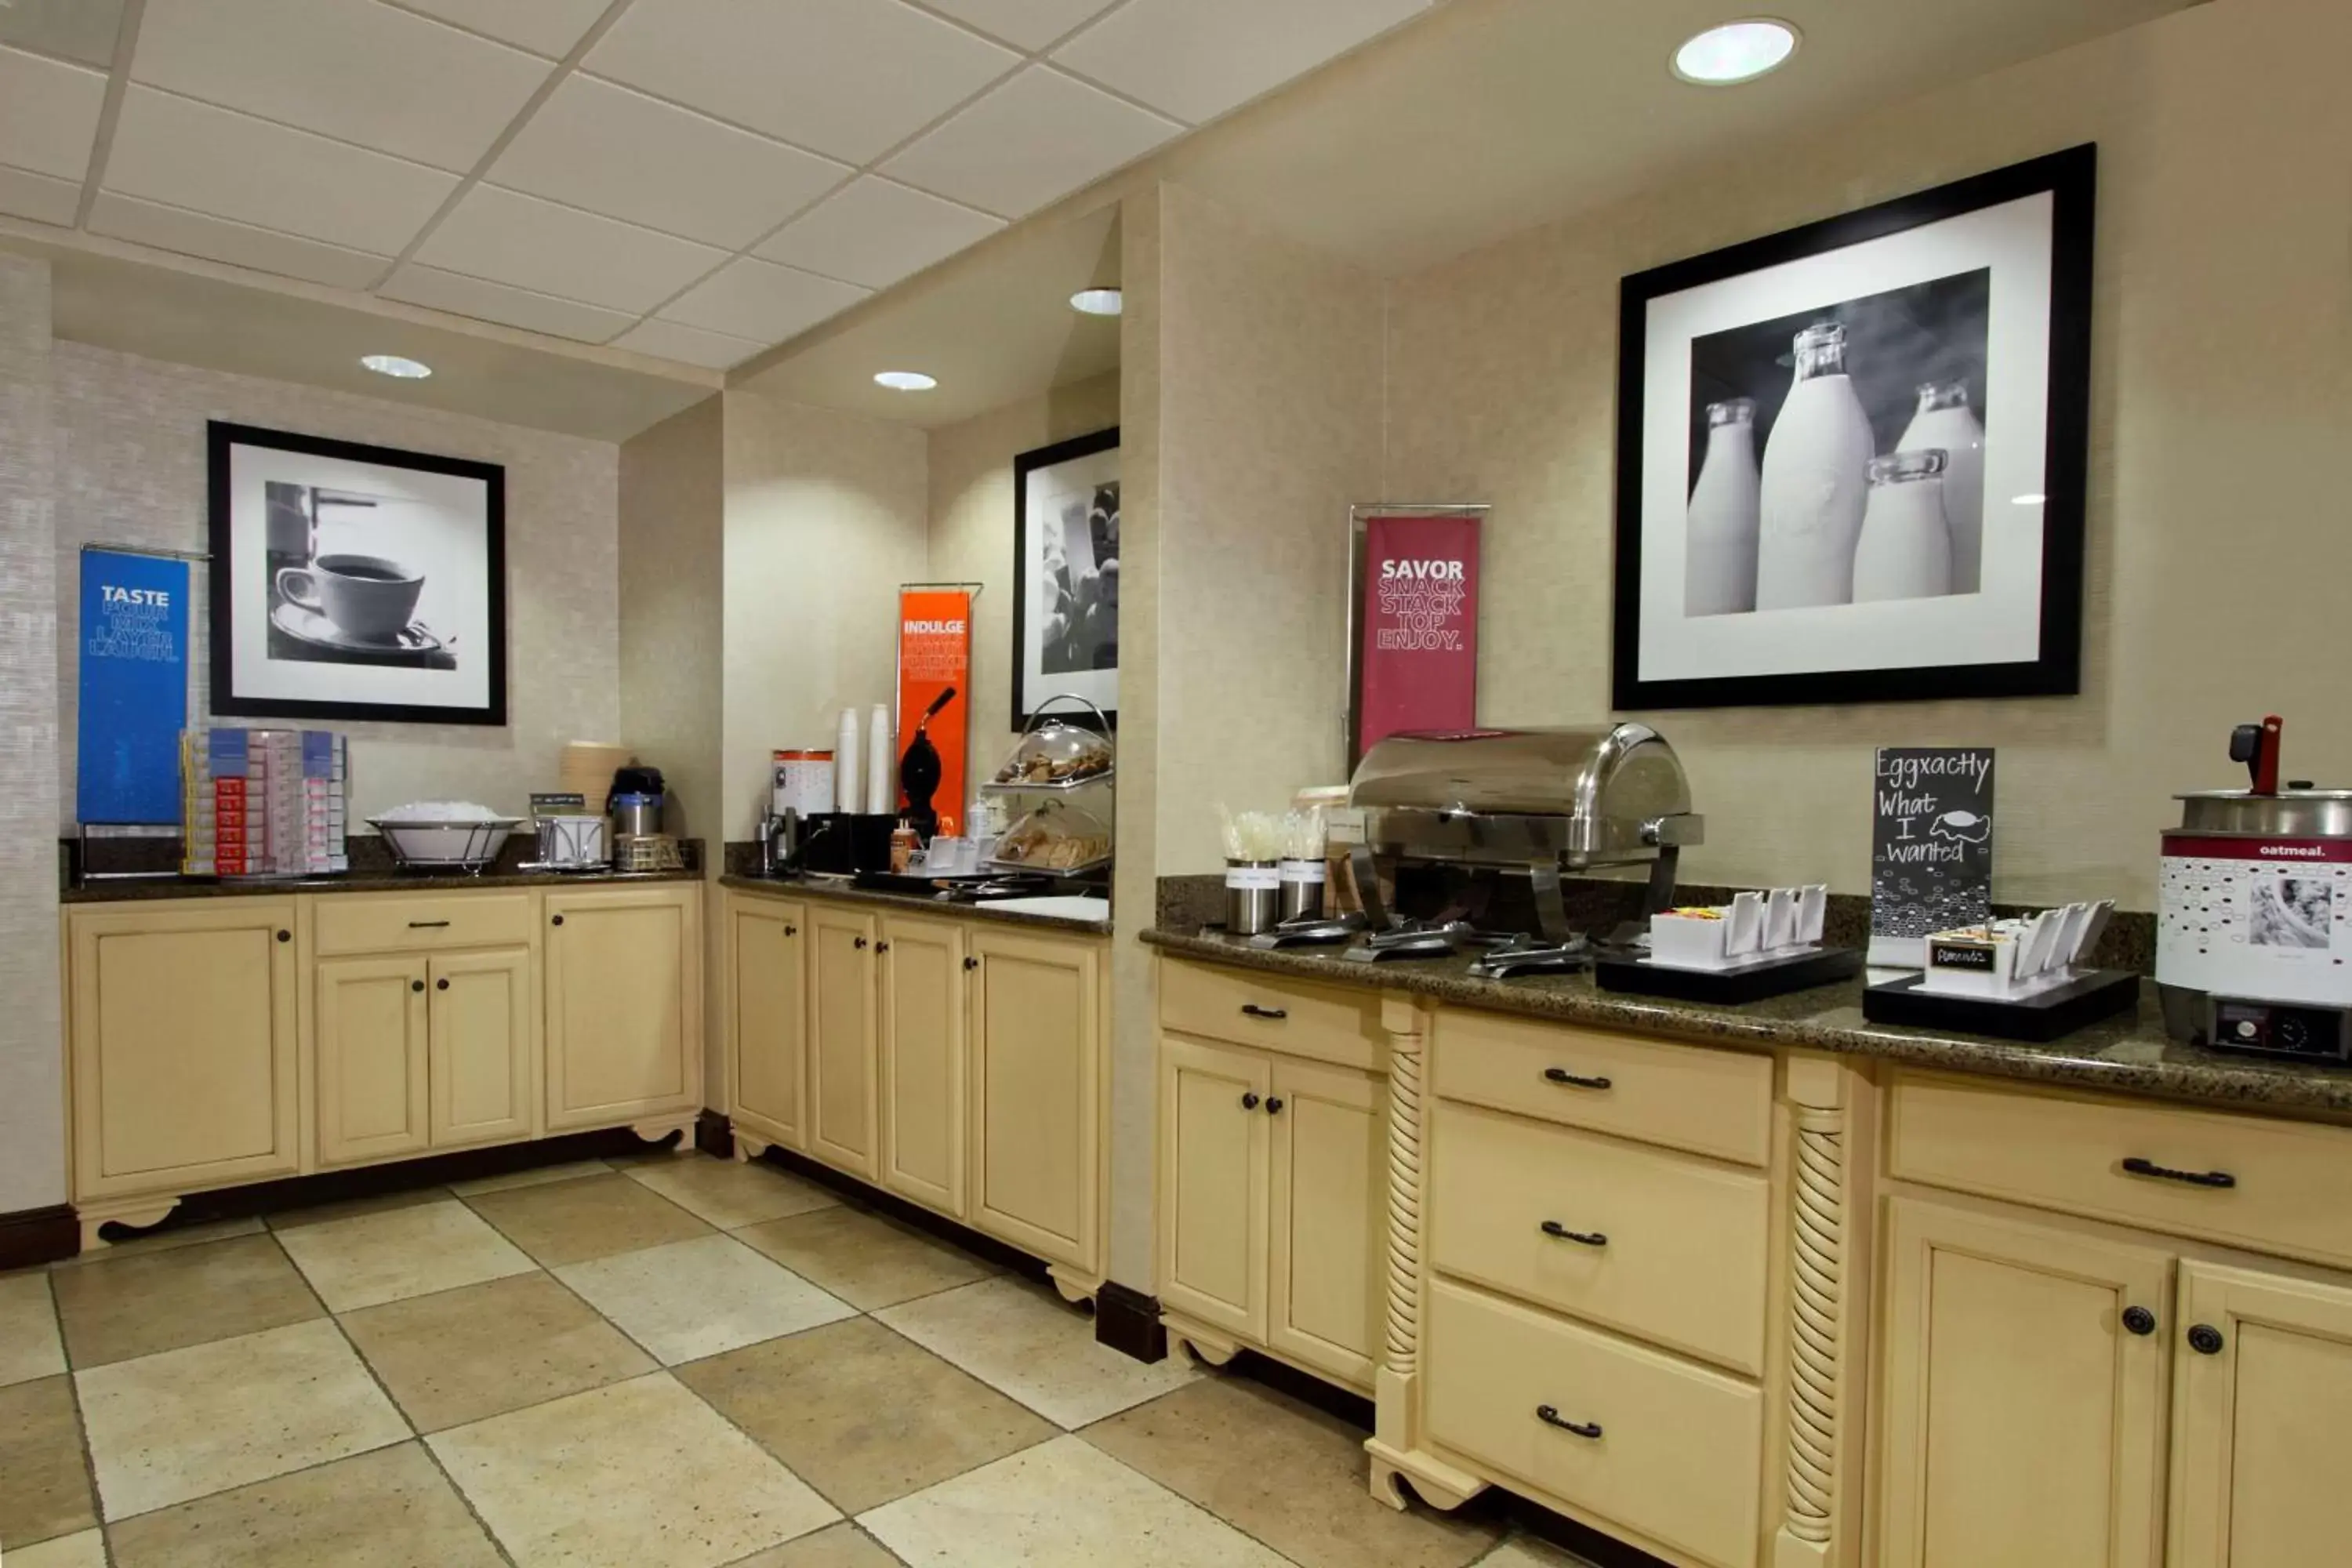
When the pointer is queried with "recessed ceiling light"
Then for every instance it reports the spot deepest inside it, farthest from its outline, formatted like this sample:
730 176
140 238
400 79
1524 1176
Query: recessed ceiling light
1098 302
2032 499
394 365
906 380
1736 52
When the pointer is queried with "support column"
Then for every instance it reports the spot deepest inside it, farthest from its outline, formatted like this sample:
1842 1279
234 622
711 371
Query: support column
1826 1290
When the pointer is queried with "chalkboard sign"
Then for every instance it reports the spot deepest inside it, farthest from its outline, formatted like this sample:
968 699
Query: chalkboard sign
1930 847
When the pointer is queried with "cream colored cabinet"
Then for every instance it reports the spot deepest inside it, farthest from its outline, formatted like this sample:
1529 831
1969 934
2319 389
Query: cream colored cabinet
479 1033
2261 1419
373 1055
766 1017
183 1038
623 1004
844 1033
922 1062
2024 1393
1330 1154
1037 1091
1214 1216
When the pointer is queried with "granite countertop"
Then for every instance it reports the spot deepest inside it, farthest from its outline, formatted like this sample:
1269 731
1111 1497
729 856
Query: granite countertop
369 882
841 892
2122 1055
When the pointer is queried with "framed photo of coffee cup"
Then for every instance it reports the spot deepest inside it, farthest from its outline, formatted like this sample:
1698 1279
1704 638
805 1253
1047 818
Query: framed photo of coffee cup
1066 574
354 581
1852 457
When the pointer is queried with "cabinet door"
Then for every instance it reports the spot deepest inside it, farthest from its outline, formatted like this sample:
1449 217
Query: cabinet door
844 1040
2262 1421
767 1017
371 1045
2023 1417
1214 1140
623 1004
183 1033
1329 1230
481 1016
1037 1084
923 1061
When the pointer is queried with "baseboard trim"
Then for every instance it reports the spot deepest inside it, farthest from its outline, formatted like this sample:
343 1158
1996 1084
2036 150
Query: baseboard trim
1128 1320
29 1238
714 1134
864 1193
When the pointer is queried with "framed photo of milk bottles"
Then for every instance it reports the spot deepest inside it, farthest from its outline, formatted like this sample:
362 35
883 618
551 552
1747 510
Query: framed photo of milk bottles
355 583
1851 457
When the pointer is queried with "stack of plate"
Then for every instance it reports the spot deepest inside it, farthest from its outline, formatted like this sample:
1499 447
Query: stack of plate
588 767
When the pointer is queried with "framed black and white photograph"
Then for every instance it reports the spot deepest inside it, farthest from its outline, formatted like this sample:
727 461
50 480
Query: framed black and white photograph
1066 573
355 581
1851 457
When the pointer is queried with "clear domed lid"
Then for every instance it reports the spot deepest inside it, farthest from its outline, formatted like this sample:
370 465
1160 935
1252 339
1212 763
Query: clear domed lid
1058 752
1908 468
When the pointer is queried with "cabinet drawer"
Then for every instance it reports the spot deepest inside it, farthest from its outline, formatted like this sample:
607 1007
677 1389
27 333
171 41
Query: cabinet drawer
1681 1257
403 922
1686 1096
2291 1182
1678 1453
1327 1023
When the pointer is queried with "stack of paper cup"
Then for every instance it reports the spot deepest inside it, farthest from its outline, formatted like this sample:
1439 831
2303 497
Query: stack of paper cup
844 763
880 798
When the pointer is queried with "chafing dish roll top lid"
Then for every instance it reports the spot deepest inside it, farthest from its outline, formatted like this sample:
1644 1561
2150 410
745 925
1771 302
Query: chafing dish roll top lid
1574 799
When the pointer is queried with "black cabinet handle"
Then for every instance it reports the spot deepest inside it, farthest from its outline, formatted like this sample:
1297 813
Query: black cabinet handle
426 925
881 947
2205 1340
1562 1075
286 936
418 985
971 962
1551 1416
1560 1232
441 984
1249 1099
791 931
2140 1320
558 920
1274 1105
858 943
2136 1166
1252 1010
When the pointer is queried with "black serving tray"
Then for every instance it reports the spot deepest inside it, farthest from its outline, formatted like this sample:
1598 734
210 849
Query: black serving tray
2047 1015
1750 981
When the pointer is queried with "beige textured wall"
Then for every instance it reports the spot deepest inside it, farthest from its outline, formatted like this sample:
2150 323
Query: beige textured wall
971 531
672 522
32 1074
2223 363
826 514
130 471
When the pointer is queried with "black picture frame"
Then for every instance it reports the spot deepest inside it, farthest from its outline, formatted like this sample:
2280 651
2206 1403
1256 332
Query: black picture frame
1025 464
2070 177
228 557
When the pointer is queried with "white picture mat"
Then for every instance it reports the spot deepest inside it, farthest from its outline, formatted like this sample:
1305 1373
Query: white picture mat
434 524
1049 488
2000 624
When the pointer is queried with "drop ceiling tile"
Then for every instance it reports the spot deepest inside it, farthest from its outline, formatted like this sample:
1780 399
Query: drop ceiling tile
547 28
628 156
1039 136
1197 58
349 68
876 232
189 154
845 78
757 300
507 238
239 244
688 345
1031 23
81 30
463 296
40 197
49 114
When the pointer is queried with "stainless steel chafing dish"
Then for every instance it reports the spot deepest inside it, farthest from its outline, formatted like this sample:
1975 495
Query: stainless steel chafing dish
1541 801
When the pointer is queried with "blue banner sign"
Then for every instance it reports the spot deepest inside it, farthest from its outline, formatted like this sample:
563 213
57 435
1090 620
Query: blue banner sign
134 687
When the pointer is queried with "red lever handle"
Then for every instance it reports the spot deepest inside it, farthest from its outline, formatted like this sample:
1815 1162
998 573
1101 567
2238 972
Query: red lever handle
2266 763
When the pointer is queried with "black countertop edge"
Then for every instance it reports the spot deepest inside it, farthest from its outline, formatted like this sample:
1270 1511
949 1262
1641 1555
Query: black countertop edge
780 887
2127 1054
167 887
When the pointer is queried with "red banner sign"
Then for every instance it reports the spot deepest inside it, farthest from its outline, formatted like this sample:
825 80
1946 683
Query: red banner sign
1417 659
934 705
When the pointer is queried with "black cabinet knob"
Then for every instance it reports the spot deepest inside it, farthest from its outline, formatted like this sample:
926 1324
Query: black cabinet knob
419 985
791 931
971 963
558 920
2205 1340
858 943
1274 1105
441 984
286 936
1551 1416
881 947
2140 1320
1559 1232
1572 1081
1249 1100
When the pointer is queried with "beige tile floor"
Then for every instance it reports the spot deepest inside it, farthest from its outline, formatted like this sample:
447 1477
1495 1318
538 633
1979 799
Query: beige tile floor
675 1361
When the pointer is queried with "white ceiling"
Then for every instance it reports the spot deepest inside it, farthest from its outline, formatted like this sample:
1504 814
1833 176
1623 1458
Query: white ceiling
690 179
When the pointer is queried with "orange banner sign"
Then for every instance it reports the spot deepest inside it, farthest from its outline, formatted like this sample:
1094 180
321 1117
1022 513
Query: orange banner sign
934 706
